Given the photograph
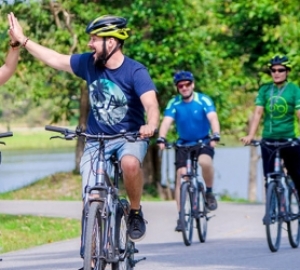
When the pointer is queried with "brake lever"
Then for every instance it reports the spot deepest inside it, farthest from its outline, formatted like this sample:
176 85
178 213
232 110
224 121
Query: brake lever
3 143
57 137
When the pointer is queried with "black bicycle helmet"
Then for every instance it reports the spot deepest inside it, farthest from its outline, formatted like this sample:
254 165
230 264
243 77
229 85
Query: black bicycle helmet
183 76
108 26
280 60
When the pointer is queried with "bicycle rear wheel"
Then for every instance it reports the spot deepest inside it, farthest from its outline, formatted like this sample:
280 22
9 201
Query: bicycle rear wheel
201 219
272 219
93 247
294 218
186 214
124 246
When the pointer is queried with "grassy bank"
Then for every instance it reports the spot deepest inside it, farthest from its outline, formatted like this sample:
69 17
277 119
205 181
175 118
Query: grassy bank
35 139
20 232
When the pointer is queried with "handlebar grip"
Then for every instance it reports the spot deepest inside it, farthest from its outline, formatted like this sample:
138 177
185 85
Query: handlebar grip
56 129
6 134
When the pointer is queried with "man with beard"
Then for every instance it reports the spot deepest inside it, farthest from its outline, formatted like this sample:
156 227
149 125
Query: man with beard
195 116
120 92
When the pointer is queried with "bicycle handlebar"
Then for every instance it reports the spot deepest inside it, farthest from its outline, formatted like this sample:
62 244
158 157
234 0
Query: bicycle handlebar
288 142
200 143
6 134
71 134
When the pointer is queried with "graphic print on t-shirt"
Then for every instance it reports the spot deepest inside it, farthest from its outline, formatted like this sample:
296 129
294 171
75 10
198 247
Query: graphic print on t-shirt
277 107
108 102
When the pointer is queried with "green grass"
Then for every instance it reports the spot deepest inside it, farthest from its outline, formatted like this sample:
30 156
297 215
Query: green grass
35 139
20 232
59 186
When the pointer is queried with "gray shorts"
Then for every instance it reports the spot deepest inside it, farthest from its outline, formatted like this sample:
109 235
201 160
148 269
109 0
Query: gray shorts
119 147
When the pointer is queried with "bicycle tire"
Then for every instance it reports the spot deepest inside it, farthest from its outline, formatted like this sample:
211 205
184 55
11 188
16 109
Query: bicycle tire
93 247
122 242
186 215
294 218
273 220
201 218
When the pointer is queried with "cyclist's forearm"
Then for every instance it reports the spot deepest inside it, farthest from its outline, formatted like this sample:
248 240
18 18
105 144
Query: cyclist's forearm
214 122
164 127
255 121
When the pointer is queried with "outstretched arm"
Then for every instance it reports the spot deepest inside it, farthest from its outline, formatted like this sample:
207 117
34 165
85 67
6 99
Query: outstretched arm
46 55
11 61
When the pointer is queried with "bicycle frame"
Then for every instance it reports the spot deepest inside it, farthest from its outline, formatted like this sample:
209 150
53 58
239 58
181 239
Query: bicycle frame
282 201
105 192
192 196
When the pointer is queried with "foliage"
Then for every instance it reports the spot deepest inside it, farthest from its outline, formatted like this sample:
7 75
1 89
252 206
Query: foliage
225 43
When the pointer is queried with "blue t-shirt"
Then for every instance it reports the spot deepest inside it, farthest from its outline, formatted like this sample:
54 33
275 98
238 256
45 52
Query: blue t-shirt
114 94
191 117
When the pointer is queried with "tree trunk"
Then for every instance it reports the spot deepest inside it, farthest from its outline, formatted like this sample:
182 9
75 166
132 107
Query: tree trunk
252 188
83 113
152 173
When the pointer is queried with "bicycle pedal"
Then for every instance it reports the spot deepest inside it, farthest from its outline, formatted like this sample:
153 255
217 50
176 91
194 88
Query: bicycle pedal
208 218
138 260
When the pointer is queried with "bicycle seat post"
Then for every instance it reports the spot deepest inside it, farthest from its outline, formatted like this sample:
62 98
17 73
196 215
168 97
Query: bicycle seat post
189 163
101 164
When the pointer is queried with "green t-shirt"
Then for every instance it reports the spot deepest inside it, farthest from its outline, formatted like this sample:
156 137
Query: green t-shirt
280 106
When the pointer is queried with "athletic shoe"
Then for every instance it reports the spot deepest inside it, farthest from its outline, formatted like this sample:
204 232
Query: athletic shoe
178 227
211 202
136 225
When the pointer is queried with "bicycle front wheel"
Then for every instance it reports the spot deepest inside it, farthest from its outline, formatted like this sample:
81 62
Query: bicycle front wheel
93 250
294 219
273 219
125 248
186 213
201 218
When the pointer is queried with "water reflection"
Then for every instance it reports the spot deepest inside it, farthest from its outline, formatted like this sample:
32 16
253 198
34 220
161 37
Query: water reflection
20 168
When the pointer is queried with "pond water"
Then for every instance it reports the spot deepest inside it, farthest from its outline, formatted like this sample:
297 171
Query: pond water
19 169
231 172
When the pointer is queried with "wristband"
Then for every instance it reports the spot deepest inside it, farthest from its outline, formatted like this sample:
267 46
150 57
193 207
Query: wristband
161 140
14 44
25 42
215 137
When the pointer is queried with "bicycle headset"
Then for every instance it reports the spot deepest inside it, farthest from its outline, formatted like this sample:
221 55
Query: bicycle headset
183 76
109 26
280 60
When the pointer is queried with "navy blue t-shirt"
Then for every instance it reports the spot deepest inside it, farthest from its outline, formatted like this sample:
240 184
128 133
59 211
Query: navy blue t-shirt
114 94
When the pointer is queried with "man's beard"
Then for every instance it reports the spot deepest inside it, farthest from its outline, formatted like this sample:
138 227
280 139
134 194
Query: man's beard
100 61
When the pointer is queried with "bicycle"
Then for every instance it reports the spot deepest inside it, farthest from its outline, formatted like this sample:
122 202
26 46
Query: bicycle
4 135
282 200
192 196
104 219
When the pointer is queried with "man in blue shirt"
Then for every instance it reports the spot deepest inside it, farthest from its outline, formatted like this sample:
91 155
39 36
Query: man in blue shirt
120 91
195 117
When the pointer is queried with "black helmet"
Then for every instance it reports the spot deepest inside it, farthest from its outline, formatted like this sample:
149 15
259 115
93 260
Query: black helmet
183 76
280 60
108 26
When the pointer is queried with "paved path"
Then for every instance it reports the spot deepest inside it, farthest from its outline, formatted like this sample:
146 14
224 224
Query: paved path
235 241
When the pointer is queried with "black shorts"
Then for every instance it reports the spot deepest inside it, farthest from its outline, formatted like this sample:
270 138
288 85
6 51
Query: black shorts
181 155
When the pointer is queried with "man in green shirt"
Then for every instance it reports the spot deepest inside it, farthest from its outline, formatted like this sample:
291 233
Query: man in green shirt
279 104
